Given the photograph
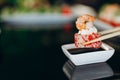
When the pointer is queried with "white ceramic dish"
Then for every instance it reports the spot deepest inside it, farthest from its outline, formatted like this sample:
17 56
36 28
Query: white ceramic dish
89 57
37 18
100 25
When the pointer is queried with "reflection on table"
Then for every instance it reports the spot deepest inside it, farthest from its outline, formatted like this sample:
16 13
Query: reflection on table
87 72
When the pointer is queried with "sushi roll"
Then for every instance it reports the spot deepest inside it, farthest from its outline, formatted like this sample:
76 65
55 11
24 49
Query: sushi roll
86 32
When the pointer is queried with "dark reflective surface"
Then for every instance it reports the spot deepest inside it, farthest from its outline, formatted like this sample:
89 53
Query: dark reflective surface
32 54
35 54
87 72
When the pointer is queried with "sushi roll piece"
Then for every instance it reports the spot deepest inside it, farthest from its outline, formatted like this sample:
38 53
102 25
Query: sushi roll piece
86 32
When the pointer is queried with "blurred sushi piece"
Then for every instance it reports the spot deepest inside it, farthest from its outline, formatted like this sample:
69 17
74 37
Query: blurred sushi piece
110 13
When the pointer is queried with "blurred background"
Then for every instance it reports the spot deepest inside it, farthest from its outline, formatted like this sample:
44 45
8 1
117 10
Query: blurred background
32 32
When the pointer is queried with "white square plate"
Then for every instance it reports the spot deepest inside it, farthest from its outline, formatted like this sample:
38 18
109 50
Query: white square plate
89 57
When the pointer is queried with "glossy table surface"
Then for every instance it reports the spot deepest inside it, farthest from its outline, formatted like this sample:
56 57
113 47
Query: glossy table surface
35 54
